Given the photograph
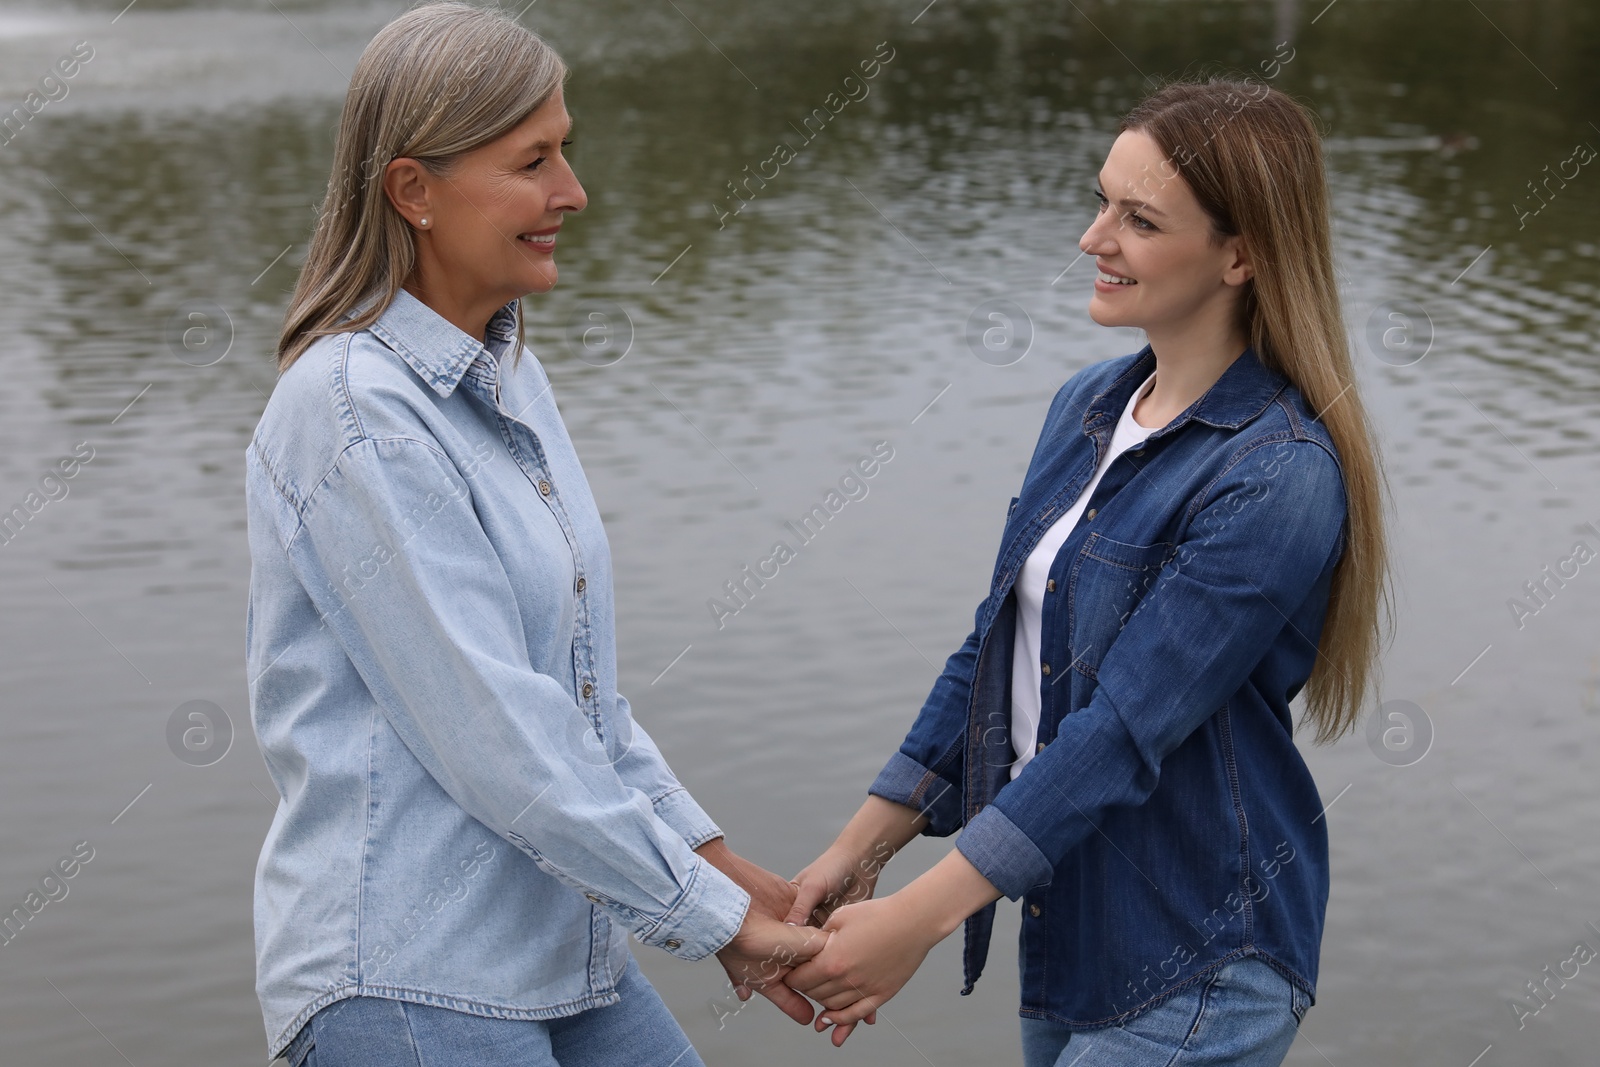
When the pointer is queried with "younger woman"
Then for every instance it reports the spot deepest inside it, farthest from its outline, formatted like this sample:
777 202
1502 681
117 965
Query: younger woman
1197 539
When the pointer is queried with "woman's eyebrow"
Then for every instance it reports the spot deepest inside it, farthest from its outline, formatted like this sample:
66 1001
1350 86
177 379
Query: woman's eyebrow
540 146
1128 202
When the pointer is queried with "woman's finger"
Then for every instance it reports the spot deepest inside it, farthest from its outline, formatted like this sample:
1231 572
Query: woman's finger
837 994
848 1015
809 893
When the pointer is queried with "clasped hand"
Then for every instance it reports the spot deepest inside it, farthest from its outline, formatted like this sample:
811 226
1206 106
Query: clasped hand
834 943
872 947
868 956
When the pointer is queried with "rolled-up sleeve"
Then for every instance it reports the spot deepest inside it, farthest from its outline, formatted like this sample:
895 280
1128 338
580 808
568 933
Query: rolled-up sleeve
390 549
1263 535
927 770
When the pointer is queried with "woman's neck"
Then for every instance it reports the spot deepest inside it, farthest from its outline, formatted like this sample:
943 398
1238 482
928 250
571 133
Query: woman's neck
1186 366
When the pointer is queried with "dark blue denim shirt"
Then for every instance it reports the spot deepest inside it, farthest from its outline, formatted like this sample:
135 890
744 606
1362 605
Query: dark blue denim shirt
1167 824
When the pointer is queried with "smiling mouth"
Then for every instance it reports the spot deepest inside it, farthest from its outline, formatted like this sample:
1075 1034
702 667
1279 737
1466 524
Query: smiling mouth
538 240
1113 279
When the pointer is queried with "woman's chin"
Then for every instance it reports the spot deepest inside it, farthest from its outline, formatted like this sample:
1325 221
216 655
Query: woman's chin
541 279
1104 316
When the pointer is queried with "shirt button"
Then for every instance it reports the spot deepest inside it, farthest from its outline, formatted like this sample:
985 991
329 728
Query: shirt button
1040 748
1044 668
592 898
1092 512
1139 452
673 943
1050 586
582 584
544 488
588 690
1033 909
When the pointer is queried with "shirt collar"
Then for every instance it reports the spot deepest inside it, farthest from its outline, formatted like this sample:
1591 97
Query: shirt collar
1243 392
434 347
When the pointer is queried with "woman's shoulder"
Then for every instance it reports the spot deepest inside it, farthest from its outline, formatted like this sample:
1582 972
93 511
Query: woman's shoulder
1291 419
345 389
349 382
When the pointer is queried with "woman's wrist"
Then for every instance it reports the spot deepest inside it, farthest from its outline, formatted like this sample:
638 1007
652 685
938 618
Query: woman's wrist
878 830
941 899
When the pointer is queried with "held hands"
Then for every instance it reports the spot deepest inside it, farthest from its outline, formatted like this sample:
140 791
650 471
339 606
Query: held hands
875 946
872 950
761 953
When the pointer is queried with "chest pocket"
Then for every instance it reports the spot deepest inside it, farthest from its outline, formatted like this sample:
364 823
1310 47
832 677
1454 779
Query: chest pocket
1107 582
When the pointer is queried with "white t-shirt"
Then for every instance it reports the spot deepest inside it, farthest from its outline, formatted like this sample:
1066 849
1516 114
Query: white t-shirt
1025 674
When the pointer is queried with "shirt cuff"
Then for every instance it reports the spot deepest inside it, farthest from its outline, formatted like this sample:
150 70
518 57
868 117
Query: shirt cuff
704 918
905 781
1004 854
688 820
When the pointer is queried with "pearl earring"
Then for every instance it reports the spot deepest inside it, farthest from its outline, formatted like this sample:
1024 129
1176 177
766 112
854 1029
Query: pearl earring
424 222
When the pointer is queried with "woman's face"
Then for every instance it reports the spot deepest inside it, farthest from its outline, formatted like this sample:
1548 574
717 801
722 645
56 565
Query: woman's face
491 224
1152 232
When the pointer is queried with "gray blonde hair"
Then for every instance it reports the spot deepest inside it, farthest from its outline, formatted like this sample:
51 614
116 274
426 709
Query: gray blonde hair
434 84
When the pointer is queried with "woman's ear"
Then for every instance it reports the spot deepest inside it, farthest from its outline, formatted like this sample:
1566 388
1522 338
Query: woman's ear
406 184
1240 269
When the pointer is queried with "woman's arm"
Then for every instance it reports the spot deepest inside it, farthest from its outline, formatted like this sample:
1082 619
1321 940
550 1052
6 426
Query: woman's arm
1267 529
1255 549
428 617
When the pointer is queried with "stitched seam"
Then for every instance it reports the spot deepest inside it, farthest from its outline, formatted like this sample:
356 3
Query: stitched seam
304 513
411 1037
366 844
1233 461
1225 727
341 384
1207 999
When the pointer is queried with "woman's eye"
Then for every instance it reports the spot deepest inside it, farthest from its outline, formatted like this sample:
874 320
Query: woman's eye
535 164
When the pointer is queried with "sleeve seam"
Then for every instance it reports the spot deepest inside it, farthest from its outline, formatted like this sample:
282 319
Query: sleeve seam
303 512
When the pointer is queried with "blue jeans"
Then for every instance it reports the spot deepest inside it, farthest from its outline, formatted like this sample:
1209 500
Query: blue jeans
377 1032
1243 1014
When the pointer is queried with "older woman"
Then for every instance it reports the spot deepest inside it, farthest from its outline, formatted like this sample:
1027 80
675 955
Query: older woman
471 822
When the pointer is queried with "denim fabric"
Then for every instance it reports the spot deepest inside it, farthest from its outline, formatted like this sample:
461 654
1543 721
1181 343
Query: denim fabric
470 817
638 1031
1241 1014
1167 821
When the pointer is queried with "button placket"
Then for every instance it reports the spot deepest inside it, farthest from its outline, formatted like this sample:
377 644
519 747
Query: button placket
582 642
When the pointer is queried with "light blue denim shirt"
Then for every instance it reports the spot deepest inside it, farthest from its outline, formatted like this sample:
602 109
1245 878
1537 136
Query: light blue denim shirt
470 817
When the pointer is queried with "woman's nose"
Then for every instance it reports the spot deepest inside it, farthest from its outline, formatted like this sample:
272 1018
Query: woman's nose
1097 240
569 195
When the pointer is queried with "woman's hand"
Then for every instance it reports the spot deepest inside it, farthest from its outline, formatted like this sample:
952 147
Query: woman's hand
770 898
873 949
848 871
761 955
838 877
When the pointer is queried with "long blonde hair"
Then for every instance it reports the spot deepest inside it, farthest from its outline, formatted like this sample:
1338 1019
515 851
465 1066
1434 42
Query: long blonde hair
437 82
1252 155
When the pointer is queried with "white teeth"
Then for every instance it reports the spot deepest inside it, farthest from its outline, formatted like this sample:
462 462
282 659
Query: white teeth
1113 279
548 238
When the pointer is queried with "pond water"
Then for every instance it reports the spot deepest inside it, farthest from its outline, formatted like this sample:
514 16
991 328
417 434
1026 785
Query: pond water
766 351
